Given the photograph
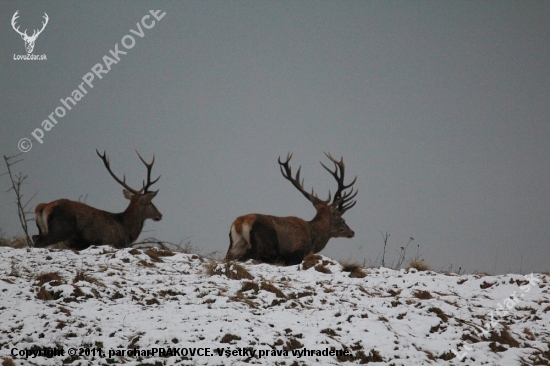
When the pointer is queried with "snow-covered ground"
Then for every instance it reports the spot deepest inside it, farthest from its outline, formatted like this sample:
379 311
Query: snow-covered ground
148 302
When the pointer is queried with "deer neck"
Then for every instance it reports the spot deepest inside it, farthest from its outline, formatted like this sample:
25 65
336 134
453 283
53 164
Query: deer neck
132 222
320 229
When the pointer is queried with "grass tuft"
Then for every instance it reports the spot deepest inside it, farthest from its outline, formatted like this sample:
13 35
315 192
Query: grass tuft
422 295
53 277
355 269
231 270
228 338
419 265
7 362
311 260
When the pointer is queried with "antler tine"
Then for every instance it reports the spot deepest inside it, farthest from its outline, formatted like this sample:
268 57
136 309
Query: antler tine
286 171
344 203
149 166
43 24
341 199
13 20
122 182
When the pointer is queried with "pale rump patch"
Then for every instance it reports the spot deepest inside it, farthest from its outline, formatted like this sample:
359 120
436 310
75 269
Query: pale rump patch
240 236
42 217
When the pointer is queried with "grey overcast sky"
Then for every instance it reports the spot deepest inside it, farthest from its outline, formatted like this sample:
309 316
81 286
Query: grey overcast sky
441 109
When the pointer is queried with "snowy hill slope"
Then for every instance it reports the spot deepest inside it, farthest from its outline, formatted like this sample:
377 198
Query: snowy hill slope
152 307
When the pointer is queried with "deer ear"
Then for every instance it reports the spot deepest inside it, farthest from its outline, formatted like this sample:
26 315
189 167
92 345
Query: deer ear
151 195
127 194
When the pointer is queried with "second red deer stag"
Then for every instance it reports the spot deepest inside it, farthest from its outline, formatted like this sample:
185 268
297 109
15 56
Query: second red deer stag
289 239
79 226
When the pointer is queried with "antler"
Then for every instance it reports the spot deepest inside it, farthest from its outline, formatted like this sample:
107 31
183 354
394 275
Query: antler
287 173
341 199
149 167
43 26
13 19
122 182
34 34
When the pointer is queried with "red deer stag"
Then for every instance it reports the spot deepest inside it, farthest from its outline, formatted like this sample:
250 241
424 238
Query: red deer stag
79 226
289 239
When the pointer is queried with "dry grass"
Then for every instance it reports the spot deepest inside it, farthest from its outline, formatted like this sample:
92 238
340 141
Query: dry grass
228 338
311 260
422 295
17 242
485 285
46 295
53 277
440 314
156 253
355 269
530 336
247 286
272 288
504 338
419 265
231 270
7 362
329 332
322 268
240 297
292 343
83 276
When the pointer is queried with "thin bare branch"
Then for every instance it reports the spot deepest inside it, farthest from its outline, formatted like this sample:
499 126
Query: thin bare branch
17 181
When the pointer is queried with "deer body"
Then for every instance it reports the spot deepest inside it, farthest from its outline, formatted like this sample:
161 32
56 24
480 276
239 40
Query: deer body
289 239
79 226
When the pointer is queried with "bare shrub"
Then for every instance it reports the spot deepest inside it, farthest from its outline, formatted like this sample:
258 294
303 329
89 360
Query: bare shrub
17 181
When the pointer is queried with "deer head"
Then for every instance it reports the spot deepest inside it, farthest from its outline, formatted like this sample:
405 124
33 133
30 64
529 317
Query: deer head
140 201
342 200
29 40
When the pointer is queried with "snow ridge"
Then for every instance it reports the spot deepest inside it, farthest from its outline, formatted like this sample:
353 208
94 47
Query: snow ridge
157 307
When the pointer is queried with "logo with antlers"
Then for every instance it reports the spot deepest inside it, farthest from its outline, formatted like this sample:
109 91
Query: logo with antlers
29 40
